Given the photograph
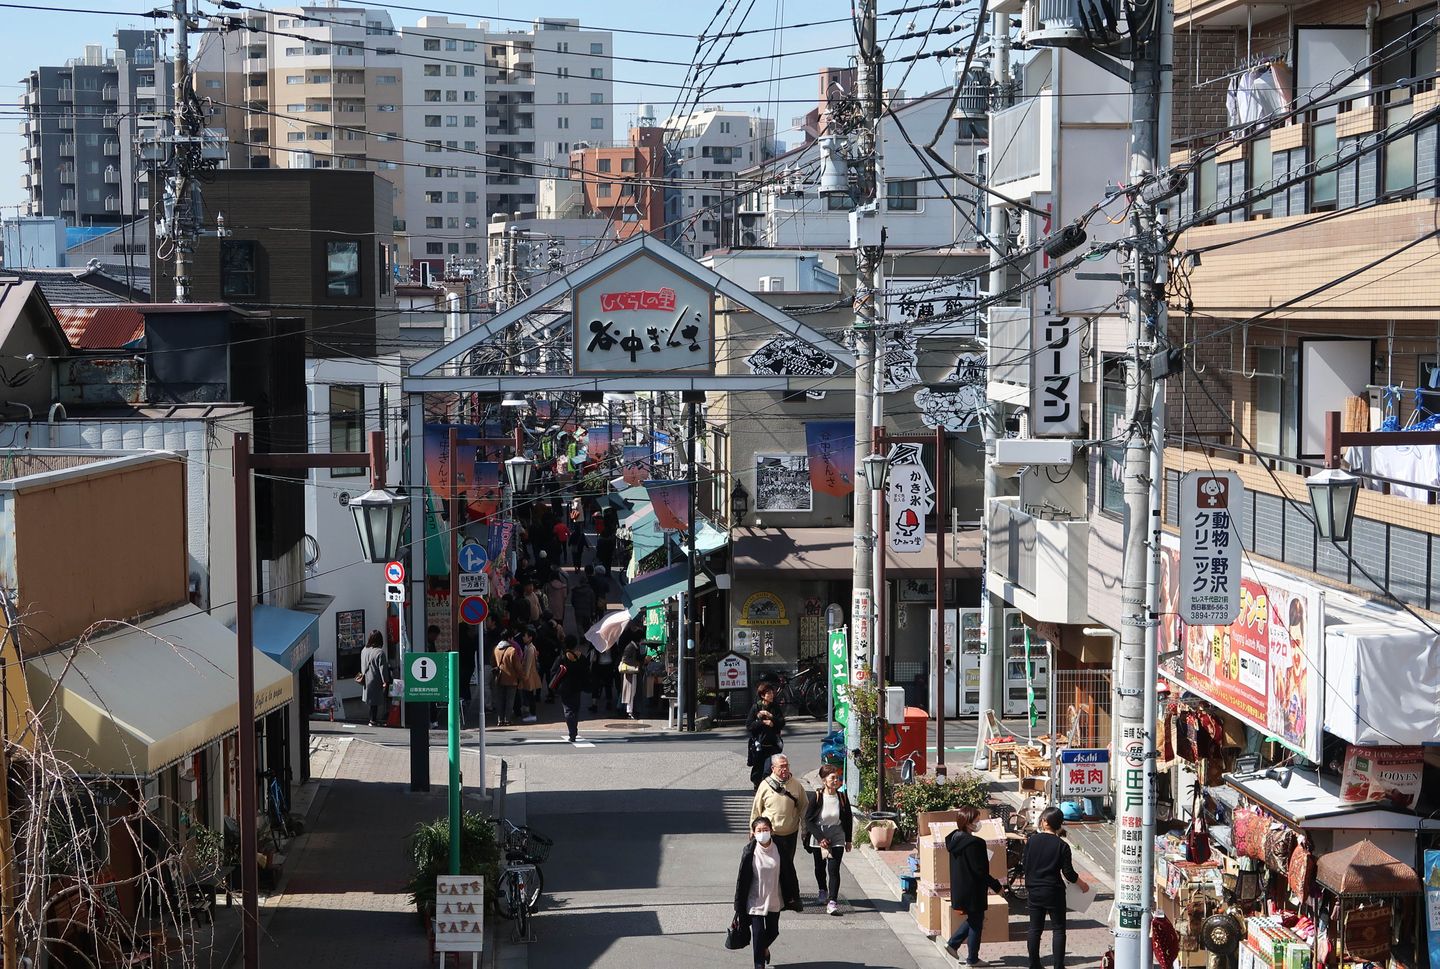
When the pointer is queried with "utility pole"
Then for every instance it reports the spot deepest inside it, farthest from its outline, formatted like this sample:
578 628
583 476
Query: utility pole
992 416
182 151
869 292
1144 455
686 669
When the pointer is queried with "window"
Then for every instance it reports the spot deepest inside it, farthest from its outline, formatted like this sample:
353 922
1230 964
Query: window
724 127
1261 169
1112 426
450 70
838 203
452 196
627 164
562 47
1277 424
563 97
294 78
452 146
468 45
471 222
1322 187
434 198
472 248
342 269
562 122
294 136
237 267
603 191
282 23
1399 171
470 98
602 165
431 95
295 108
452 96
469 146
430 70
387 79
347 423
597 98
450 45
387 108
432 44
294 51
597 123
434 249
903 195
1415 59
597 48
453 248
452 222
598 73
373 27
452 121
385 254
434 222
432 121
469 71
472 197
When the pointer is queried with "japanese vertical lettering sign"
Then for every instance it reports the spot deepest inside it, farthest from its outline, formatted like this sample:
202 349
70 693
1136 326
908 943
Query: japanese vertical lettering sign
1210 506
840 676
1054 377
909 496
644 315
1129 822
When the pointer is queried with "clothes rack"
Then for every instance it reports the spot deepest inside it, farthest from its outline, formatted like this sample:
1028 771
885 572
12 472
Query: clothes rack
1249 64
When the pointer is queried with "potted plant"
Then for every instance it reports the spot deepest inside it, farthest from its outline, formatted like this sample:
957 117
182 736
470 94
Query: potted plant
430 851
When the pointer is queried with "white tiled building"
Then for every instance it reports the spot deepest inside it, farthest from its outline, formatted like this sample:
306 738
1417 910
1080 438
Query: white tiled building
709 148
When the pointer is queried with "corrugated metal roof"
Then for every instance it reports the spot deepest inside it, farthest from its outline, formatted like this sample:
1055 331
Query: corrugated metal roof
97 327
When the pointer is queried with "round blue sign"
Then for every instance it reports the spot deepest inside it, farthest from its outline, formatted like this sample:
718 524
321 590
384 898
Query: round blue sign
473 610
473 558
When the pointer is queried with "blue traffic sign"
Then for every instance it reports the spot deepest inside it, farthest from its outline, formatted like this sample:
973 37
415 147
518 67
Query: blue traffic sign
473 558
473 610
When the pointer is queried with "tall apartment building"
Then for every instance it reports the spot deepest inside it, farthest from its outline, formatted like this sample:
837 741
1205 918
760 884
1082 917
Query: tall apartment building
708 149
83 124
457 117
623 183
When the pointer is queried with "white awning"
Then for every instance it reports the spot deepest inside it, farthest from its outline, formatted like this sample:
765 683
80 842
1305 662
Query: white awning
1307 803
141 698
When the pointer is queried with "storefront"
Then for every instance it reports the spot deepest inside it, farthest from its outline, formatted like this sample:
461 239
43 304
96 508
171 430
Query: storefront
291 638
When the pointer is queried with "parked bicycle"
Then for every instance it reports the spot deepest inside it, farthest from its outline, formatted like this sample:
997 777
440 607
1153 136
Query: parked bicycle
521 880
804 691
281 822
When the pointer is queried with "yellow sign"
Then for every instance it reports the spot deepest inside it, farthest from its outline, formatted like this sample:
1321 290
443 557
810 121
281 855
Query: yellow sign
763 609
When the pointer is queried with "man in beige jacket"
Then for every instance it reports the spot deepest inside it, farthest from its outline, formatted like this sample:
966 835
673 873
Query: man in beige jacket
781 798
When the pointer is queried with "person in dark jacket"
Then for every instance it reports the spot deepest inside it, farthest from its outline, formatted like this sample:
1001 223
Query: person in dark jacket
970 883
828 827
572 678
765 886
764 726
1047 860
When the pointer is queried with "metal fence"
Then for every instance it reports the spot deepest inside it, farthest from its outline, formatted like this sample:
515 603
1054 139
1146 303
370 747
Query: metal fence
1015 141
1082 706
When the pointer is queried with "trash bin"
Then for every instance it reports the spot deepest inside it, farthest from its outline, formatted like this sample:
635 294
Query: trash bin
907 740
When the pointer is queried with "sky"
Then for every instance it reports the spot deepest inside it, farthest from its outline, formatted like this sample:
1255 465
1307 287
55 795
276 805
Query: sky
50 37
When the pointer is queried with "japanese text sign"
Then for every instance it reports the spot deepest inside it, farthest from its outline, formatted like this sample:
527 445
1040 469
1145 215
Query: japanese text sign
1084 773
909 496
1054 377
644 315
1211 506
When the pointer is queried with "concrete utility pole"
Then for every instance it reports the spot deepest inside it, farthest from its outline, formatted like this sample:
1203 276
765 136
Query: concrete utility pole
181 151
1144 455
992 417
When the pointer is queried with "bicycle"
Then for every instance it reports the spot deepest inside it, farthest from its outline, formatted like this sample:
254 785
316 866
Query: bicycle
804 691
277 808
521 881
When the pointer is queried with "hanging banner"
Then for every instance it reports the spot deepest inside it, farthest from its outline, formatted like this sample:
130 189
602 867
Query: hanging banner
1390 775
909 496
1261 668
901 362
1054 377
671 502
1211 506
635 463
830 447
840 677
599 440
657 626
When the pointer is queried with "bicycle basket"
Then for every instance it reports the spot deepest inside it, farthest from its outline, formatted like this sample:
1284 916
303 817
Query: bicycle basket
533 845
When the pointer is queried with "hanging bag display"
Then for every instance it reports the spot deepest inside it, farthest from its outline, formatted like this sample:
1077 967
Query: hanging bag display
1279 846
1197 836
1300 873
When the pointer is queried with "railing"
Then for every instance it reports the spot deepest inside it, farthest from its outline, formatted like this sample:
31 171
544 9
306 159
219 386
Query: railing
112 175
111 121
67 146
112 146
112 203
1012 544
67 173
67 92
110 93
1015 139
66 122
67 201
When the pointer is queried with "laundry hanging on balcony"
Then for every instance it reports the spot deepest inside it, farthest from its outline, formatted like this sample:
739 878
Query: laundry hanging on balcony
1259 93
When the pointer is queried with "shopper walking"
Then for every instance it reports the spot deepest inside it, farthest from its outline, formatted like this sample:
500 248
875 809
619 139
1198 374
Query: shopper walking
602 680
374 677
582 599
781 798
632 676
509 673
765 886
571 680
764 726
970 884
828 828
1047 860
530 682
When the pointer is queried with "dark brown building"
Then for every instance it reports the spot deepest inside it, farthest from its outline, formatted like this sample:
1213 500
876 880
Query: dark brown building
317 244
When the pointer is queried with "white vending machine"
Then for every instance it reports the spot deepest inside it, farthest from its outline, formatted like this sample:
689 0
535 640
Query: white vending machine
962 679
1017 681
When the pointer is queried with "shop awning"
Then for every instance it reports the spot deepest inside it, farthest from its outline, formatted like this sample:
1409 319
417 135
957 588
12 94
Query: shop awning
827 553
140 699
288 636
656 587
1364 869
708 538
1308 804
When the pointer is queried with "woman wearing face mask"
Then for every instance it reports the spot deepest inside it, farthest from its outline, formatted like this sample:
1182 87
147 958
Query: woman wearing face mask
766 885
828 826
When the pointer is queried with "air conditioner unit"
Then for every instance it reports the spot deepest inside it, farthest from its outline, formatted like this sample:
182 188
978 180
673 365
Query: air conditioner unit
772 284
749 238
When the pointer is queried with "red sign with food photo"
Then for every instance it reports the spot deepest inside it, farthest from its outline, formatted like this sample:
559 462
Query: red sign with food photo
1385 774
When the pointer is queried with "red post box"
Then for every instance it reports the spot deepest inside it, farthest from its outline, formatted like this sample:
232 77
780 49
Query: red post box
906 741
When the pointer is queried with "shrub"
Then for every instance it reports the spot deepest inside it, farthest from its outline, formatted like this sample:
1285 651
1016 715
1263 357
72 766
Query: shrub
430 849
964 789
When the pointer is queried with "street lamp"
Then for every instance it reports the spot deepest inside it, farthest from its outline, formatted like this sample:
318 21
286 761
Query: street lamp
739 503
877 469
1332 496
380 517
518 471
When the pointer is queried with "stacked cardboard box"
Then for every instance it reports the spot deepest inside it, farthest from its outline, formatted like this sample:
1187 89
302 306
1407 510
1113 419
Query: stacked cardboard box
997 920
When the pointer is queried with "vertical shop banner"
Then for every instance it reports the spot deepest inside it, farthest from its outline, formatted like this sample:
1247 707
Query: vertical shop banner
657 625
830 447
635 463
909 497
860 609
1129 819
671 502
1264 667
1055 377
1432 903
1211 505
599 440
840 676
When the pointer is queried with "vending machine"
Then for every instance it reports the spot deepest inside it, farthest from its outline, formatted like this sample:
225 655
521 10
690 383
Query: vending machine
1018 680
962 671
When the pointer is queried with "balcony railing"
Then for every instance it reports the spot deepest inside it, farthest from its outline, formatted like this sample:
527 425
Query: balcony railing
1042 561
67 92
112 175
1395 540
67 146
67 174
67 202
112 203
1016 136
110 93
1010 345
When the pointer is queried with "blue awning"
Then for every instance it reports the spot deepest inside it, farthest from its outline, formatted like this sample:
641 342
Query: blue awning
707 537
656 587
288 636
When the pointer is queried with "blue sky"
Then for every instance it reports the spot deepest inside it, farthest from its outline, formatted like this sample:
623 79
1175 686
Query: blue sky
32 38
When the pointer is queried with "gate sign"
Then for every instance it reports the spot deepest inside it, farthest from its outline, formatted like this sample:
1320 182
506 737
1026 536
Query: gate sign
1084 773
644 315
1054 377
733 672
1211 504
910 495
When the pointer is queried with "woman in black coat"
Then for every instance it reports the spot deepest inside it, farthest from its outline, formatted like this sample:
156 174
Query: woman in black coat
970 883
764 888
764 726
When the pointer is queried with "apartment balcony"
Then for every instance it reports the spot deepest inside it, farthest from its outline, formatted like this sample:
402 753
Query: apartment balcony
67 202
1039 564
66 92
1022 133
66 122
66 174
255 65
112 175
27 153
111 121
67 147
112 146
112 203
110 93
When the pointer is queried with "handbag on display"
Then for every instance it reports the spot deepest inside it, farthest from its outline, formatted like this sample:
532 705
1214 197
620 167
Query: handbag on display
1249 827
1300 873
1279 846
1197 836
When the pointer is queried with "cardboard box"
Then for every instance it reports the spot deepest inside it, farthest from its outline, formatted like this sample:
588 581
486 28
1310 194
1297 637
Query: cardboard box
924 819
997 859
934 861
940 830
991 829
997 919
928 908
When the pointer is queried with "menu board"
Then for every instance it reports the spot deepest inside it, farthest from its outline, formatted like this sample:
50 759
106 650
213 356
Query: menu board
349 640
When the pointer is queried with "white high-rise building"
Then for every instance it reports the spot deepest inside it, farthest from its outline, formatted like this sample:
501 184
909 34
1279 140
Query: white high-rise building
708 149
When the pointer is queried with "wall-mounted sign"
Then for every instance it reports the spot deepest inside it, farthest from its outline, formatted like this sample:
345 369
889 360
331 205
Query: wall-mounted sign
733 672
1211 506
644 315
1084 773
763 609
785 356
782 482
901 362
955 406
1054 377
909 496
1389 776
